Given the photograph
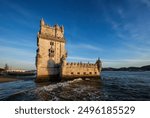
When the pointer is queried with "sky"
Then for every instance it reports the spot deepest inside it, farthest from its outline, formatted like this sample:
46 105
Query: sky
117 31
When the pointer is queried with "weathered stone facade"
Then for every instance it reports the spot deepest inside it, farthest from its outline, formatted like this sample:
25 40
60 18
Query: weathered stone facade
51 57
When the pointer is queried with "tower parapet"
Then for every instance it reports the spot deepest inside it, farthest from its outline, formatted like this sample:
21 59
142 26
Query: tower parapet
55 32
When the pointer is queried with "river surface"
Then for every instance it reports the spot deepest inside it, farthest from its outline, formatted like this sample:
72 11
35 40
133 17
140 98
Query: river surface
113 86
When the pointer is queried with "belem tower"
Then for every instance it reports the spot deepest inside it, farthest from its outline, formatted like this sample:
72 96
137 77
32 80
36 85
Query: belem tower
51 57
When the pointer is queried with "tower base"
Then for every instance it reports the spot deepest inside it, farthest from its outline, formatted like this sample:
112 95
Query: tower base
47 78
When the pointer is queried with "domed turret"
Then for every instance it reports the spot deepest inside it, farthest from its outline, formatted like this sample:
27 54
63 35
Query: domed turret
99 64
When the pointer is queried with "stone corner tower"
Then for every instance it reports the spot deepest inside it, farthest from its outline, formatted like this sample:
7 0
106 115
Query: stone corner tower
50 51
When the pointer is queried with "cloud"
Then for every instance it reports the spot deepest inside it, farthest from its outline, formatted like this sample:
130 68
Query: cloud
16 51
90 47
85 46
112 62
18 8
132 28
17 13
17 42
138 48
17 63
17 57
125 62
147 2
121 13
78 59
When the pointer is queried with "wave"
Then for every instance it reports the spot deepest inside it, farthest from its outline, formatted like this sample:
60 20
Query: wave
50 92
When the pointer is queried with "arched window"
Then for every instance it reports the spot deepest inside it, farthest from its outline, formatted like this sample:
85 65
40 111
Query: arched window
51 52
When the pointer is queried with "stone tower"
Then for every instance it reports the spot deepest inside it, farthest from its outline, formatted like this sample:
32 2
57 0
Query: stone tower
50 51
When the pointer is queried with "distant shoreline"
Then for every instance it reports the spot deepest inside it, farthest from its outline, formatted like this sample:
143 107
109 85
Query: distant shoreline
15 78
7 79
143 68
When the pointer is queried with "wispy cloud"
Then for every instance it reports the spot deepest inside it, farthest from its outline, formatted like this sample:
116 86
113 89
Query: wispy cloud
133 32
90 47
147 2
125 62
18 8
17 13
17 42
112 62
17 57
16 51
17 63
121 13
85 46
78 59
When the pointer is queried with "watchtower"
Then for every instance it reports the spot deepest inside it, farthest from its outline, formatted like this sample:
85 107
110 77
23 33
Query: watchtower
50 51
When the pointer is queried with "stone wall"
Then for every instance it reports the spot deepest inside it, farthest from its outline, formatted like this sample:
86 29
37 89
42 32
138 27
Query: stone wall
51 48
70 70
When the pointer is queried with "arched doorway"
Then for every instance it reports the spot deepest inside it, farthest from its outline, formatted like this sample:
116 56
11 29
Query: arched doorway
53 69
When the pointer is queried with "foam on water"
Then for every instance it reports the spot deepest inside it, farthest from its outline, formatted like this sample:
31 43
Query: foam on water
57 85
50 92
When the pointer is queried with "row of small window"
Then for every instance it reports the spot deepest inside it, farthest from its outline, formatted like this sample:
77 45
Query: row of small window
84 73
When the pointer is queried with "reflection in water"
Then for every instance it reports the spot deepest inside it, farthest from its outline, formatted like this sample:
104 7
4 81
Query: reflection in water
118 85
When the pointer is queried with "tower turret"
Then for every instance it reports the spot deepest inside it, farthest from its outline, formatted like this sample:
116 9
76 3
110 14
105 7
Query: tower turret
42 22
62 29
99 64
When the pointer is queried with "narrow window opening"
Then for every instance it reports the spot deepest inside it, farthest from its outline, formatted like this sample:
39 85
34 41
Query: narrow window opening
51 43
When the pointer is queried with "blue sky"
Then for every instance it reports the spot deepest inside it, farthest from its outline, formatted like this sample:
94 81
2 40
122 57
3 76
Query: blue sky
117 31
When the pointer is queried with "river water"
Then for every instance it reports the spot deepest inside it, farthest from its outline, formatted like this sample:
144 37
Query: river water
113 86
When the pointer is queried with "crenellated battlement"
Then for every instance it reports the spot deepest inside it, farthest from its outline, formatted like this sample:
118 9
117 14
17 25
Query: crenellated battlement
74 69
55 31
80 64
55 27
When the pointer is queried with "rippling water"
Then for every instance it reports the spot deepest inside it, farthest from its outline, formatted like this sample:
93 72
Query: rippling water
113 85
